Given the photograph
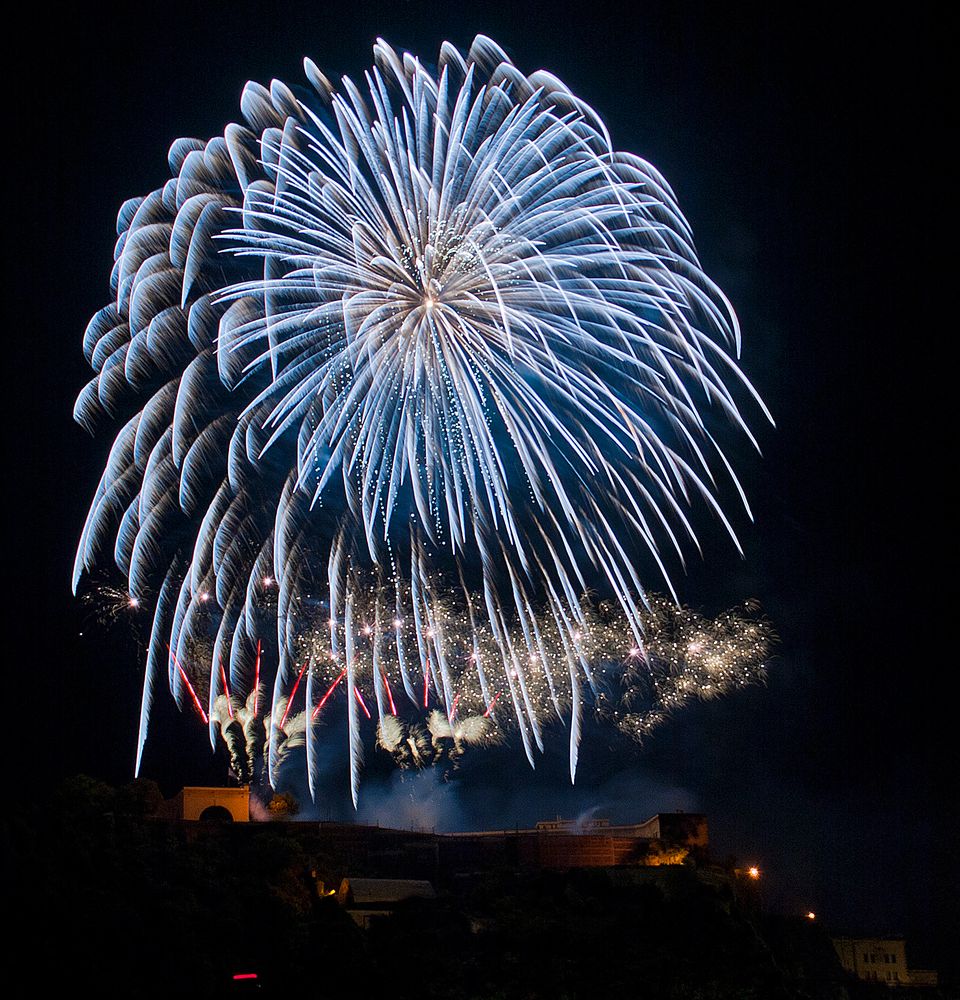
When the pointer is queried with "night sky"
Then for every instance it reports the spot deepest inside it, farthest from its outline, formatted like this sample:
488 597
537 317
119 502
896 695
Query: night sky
804 149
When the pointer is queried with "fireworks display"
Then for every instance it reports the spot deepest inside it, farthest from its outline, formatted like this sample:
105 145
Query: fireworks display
402 370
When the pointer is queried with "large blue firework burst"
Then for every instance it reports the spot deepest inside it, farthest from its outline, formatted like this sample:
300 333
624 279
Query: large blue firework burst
405 368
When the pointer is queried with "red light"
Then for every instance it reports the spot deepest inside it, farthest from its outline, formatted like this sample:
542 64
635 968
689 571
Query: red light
366 710
245 975
330 690
293 693
226 689
256 681
186 680
393 708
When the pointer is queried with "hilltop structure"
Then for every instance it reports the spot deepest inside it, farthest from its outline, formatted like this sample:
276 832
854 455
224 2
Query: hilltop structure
881 960
206 805
664 839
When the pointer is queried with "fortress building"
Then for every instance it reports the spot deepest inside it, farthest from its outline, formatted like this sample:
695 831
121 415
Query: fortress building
214 805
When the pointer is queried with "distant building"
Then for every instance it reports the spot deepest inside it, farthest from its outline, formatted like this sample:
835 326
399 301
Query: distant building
665 839
689 829
213 805
881 960
368 899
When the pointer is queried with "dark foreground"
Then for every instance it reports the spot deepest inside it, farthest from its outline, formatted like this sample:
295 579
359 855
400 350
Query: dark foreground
105 897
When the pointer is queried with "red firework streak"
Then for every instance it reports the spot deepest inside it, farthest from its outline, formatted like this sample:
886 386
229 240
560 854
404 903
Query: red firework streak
453 709
330 691
426 682
226 689
366 711
393 708
256 681
293 693
186 680
492 703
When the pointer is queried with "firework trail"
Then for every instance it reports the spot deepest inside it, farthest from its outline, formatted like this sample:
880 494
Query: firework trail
290 736
685 657
430 323
110 604
226 720
242 733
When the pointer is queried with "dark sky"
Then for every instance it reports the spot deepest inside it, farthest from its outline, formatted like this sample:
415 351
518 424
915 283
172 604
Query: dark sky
804 145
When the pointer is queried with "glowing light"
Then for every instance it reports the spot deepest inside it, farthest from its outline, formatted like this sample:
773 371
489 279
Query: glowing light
226 688
363 704
753 872
433 326
386 683
329 692
190 688
256 680
811 915
293 694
